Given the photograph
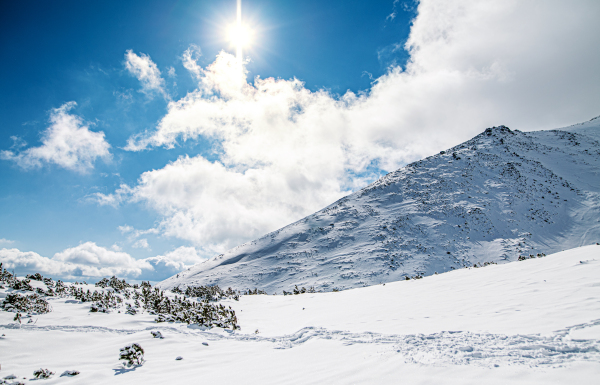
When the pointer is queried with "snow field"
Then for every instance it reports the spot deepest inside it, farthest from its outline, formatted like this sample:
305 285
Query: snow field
528 322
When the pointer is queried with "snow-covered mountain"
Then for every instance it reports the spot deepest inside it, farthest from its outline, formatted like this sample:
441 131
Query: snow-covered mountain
495 197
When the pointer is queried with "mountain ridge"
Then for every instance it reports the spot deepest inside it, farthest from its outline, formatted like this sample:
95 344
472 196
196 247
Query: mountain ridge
495 197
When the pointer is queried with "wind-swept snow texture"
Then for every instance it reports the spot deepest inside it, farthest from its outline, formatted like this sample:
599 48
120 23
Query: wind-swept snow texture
495 197
531 322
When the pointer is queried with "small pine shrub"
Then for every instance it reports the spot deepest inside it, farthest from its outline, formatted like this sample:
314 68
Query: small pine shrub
131 310
114 283
32 303
299 291
70 373
531 256
132 355
35 277
157 334
42 374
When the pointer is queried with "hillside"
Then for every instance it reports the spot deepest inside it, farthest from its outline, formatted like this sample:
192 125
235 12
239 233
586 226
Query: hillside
495 197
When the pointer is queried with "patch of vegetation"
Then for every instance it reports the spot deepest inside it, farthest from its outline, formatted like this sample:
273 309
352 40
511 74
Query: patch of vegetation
70 373
42 374
132 355
32 303
531 256
115 293
208 293
113 283
302 290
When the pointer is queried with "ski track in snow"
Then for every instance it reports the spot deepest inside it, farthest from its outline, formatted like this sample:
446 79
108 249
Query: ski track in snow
438 349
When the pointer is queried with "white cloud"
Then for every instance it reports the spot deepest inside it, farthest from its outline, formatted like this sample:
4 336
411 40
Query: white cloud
173 262
147 72
286 151
114 199
189 61
67 142
91 261
94 260
4 241
141 244
85 260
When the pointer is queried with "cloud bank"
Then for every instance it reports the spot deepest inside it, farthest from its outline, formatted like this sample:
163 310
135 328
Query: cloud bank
67 142
285 151
92 262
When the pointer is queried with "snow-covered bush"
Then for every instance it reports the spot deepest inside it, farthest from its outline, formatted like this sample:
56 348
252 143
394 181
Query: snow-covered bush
42 373
523 257
132 355
35 277
256 291
157 334
209 293
181 309
98 308
114 283
136 298
131 310
69 373
32 303
10 379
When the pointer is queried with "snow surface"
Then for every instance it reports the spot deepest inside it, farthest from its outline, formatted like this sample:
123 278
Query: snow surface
528 322
495 197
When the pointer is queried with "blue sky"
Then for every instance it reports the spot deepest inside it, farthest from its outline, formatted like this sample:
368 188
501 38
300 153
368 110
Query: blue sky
164 158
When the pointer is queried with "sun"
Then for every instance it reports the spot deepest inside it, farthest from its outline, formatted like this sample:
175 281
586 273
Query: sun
239 35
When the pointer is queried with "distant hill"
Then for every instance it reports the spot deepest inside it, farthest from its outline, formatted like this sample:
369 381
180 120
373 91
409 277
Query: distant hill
495 197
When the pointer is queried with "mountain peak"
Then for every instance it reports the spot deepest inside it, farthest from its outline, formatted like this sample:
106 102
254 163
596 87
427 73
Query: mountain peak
495 197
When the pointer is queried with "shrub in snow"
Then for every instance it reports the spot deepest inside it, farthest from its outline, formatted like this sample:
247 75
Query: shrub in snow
181 309
131 310
114 283
42 373
98 308
208 293
69 373
11 280
32 303
17 284
256 291
11 379
35 277
132 355
179 358
539 255
299 291
157 334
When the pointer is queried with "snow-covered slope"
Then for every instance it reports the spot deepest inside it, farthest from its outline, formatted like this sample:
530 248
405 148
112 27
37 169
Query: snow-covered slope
497 196
530 322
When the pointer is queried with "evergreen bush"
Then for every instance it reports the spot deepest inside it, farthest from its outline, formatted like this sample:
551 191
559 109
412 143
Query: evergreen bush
42 374
132 355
